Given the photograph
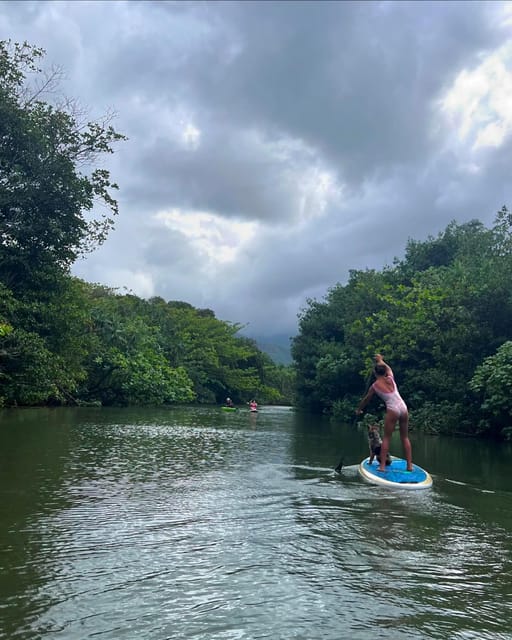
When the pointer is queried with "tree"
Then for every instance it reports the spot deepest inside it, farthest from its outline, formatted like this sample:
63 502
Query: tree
45 194
48 192
436 315
219 361
62 340
126 364
492 383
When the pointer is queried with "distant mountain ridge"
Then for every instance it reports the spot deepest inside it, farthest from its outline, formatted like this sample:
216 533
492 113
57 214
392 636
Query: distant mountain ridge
277 347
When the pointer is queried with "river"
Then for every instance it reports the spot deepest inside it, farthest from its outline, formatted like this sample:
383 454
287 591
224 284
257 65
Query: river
193 523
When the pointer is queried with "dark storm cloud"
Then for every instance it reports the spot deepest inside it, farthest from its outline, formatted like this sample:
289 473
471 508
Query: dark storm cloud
233 173
354 80
317 122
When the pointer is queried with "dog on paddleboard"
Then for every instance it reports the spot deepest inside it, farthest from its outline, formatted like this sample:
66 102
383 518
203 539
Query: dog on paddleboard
375 443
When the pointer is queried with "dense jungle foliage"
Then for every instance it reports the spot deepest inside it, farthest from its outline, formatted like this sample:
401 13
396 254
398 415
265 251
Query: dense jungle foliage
442 318
63 340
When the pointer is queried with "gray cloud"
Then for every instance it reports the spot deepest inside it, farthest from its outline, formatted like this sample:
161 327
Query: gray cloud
233 173
317 125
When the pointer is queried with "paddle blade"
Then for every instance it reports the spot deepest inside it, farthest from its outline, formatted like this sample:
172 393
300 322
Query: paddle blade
340 465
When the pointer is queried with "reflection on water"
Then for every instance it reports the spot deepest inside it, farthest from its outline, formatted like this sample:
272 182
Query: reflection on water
195 523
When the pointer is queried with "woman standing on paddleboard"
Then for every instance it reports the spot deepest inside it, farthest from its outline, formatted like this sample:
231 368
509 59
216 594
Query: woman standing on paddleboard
396 409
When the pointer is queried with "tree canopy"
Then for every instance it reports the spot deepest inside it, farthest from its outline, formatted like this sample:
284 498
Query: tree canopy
63 340
437 315
48 184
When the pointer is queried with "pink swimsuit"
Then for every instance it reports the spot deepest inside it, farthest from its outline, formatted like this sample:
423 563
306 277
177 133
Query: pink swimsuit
393 400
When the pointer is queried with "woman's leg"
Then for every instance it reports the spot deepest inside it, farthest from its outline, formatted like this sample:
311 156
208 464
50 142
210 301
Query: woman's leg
389 425
403 421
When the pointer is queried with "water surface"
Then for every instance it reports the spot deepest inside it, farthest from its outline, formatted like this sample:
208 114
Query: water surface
194 523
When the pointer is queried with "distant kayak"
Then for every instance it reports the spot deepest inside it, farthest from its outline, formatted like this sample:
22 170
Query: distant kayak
396 475
229 409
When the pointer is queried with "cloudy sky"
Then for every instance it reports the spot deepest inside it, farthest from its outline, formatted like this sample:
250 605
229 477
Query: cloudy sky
273 146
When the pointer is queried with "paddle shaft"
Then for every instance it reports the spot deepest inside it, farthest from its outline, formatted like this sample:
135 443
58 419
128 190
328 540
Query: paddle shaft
340 463
367 386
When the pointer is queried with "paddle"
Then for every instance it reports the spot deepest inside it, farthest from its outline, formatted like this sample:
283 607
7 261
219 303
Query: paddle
340 464
367 386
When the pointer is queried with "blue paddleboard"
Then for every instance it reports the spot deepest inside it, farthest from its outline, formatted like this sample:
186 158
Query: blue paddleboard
396 474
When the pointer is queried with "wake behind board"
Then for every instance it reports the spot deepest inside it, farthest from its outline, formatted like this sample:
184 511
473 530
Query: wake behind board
396 474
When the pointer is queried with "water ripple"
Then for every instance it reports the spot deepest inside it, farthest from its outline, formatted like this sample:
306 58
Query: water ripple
197 531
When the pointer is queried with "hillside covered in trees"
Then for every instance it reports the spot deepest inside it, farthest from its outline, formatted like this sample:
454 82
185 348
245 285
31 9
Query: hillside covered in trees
442 317
62 340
